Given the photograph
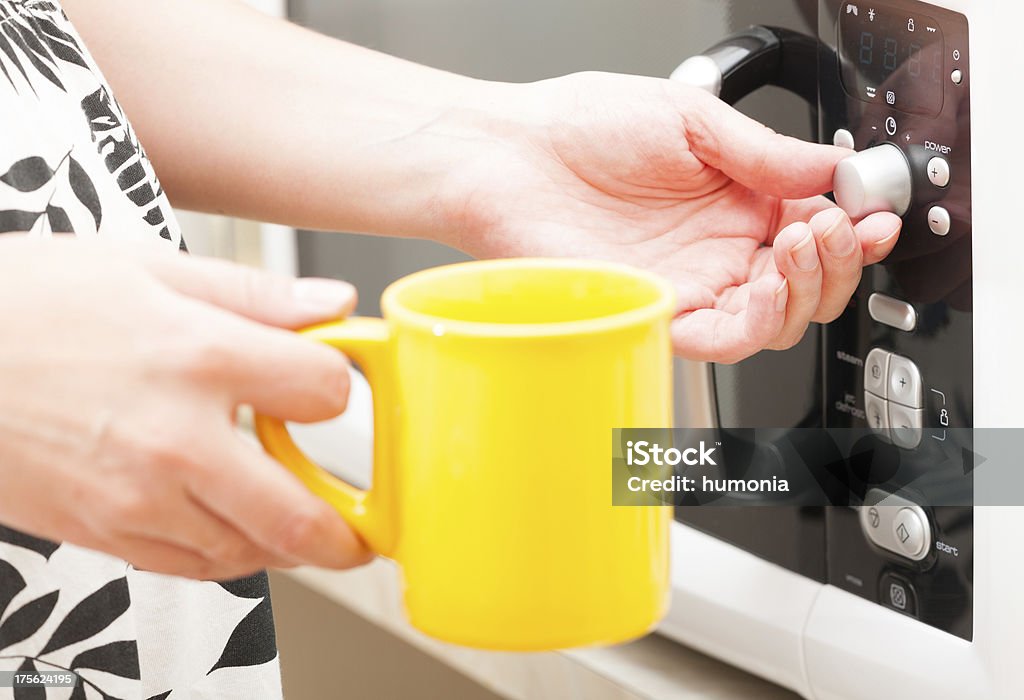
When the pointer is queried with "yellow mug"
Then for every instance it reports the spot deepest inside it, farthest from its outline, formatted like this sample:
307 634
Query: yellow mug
496 388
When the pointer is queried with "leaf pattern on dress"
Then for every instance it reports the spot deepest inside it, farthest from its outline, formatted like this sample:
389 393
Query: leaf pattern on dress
84 190
34 173
119 658
123 155
26 620
20 539
28 174
12 56
26 35
18 40
11 584
18 221
91 615
58 220
29 692
52 180
34 36
249 644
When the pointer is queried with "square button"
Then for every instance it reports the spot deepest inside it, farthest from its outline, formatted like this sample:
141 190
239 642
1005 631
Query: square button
897 593
877 414
905 425
876 370
898 596
904 385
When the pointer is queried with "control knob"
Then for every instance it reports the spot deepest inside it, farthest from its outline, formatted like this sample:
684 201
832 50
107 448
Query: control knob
873 180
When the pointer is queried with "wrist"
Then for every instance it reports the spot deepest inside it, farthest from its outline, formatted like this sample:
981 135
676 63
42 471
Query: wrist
467 151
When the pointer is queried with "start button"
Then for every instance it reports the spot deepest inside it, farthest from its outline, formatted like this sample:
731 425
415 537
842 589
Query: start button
910 530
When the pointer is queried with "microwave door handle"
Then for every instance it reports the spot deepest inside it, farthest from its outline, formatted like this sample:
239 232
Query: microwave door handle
758 56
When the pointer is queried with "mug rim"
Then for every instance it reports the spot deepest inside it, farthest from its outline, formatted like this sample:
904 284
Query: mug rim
660 307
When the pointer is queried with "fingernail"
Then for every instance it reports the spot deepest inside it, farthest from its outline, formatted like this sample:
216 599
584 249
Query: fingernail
781 295
839 239
887 241
804 255
323 296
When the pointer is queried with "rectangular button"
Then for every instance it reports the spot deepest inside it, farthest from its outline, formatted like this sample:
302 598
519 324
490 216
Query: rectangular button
877 414
876 371
905 425
904 382
892 312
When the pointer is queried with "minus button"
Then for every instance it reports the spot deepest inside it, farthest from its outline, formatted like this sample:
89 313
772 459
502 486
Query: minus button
938 220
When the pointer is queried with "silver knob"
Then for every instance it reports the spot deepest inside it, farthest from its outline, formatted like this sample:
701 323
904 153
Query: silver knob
878 179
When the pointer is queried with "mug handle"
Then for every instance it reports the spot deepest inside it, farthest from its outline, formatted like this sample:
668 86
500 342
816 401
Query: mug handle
371 512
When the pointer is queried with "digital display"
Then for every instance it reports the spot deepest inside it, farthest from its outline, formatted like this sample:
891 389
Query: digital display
892 57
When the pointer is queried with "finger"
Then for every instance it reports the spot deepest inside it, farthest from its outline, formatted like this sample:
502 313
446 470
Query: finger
754 155
878 235
714 335
793 210
841 262
272 299
796 256
184 522
277 372
271 506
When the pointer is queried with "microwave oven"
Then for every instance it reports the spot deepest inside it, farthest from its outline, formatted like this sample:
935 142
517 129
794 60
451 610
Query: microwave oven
812 596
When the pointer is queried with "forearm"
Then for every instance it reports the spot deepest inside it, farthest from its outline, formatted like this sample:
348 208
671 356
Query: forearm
250 116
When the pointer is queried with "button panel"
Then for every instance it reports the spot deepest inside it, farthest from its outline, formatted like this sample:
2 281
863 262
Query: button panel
896 524
935 275
893 398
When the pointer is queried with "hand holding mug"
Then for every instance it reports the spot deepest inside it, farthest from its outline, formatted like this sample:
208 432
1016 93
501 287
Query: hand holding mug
496 388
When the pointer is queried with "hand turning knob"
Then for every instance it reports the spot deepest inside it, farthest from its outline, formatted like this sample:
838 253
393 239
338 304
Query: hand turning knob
877 179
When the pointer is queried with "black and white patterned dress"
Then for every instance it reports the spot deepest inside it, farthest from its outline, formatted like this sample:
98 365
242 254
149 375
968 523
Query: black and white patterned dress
71 163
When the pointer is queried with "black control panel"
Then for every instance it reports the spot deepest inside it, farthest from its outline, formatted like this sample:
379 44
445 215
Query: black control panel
900 359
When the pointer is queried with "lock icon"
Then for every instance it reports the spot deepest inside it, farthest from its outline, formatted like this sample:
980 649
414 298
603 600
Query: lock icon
910 24
944 418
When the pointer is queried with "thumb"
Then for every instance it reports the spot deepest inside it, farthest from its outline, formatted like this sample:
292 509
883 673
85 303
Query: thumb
754 155
271 299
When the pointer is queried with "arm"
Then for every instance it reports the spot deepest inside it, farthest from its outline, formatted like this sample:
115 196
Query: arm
251 116
258 118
